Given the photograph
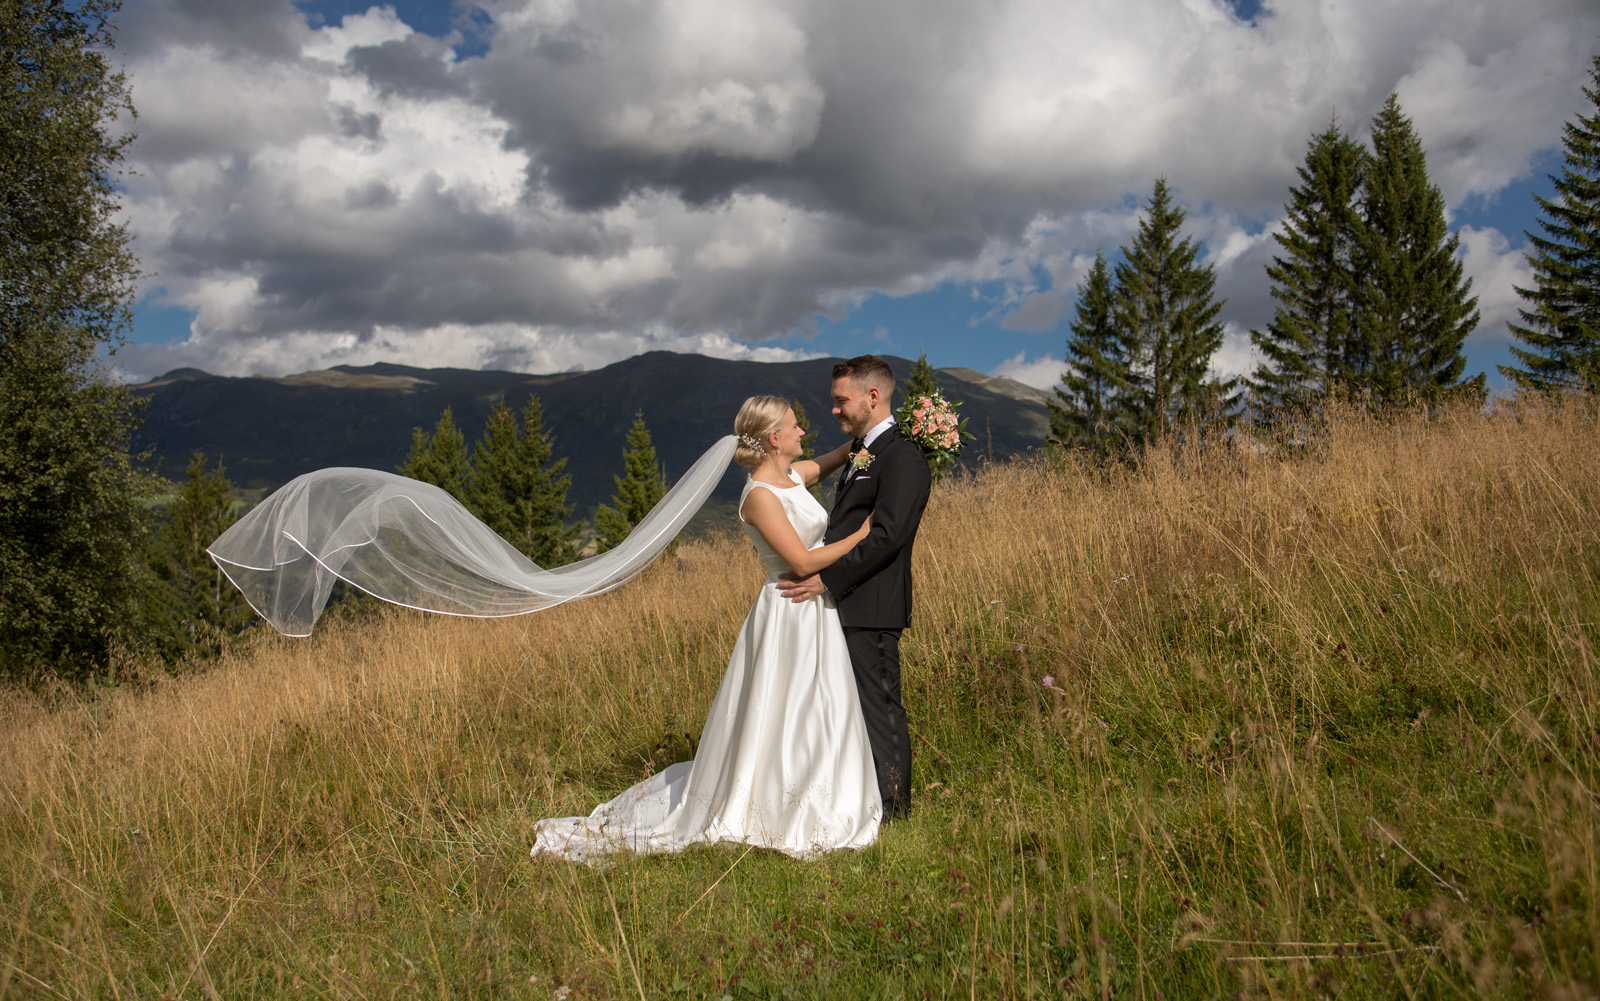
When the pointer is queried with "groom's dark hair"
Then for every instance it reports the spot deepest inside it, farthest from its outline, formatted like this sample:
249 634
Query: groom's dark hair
868 369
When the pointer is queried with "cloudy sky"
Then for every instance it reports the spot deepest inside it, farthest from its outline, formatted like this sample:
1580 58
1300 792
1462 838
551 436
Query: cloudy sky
543 185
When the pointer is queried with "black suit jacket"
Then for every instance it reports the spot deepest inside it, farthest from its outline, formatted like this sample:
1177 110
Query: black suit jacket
872 582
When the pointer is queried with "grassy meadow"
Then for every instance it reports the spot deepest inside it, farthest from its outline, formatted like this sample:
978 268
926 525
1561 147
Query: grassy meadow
1242 722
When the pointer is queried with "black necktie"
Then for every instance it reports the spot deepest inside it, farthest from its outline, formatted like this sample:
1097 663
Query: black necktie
856 444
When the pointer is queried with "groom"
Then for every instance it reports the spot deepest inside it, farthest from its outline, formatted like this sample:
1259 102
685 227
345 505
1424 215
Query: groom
888 478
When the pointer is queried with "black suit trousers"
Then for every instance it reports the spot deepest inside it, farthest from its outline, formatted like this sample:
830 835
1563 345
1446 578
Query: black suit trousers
875 659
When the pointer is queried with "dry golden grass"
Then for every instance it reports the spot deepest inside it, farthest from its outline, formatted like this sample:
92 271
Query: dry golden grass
1322 720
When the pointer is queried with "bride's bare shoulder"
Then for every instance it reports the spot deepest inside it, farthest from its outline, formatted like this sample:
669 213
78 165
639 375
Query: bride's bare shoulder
759 503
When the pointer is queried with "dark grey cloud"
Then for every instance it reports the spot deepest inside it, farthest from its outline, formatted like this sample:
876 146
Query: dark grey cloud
415 67
354 124
262 27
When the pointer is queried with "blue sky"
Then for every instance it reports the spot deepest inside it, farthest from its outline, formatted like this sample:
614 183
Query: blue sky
542 185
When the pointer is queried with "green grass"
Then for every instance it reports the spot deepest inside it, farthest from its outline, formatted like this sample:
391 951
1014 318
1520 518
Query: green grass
1318 725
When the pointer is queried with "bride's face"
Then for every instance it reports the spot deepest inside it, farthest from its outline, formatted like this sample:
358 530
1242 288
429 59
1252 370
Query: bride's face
787 437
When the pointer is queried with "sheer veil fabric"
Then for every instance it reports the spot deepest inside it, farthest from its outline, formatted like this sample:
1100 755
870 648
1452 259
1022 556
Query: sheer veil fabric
413 544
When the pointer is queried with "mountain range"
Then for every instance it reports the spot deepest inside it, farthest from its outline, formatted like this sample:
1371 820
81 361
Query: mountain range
269 430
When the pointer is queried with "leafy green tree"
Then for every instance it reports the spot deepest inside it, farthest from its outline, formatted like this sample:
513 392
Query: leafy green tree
1307 345
1083 412
923 381
1166 313
71 568
1560 327
440 458
641 485
1413 310
518 490
195 608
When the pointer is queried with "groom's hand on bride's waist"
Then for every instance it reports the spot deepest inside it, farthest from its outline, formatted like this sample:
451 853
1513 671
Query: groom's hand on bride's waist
800 588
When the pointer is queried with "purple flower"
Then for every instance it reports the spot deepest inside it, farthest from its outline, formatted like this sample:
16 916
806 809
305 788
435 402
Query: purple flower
1049 681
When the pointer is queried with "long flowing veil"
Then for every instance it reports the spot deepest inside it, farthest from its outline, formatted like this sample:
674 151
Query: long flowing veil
413 544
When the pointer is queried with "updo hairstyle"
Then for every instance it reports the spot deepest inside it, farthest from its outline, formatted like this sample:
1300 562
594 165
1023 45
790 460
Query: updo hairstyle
759 417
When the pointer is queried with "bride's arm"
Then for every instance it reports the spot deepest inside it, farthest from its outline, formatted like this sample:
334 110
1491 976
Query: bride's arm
813 471
763 510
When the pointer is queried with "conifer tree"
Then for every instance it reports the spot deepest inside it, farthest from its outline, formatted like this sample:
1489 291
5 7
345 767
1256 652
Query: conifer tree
518 490
1306 346
1167 315
440 458
923 381
195 608
641 485
1560 328
1413 309
807 439
71 532
1082 415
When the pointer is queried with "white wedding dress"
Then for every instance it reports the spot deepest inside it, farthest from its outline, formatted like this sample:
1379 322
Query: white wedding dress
783 760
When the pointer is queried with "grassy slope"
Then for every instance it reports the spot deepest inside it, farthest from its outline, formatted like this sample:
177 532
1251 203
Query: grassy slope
1321 725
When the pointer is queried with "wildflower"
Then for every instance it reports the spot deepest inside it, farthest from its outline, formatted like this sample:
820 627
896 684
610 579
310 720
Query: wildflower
1049 681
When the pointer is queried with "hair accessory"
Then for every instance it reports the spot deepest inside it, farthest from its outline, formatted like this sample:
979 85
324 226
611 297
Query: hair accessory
751 441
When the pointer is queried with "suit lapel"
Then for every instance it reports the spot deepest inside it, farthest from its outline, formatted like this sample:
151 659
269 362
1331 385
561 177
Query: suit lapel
850 474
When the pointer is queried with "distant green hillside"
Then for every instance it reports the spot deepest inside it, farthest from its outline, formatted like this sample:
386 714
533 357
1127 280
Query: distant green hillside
268 431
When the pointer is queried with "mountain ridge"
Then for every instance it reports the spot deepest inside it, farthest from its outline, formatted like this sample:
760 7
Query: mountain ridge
267 430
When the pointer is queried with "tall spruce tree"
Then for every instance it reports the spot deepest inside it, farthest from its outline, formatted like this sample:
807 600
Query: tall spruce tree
71 548
1413 308
518 490
808 440
923 381
1560 328
194 608
641 485
808 437
1166 313
1083 412
1307 345
440 458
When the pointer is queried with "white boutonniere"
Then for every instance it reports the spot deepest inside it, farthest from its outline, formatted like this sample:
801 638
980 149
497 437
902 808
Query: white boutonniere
861 460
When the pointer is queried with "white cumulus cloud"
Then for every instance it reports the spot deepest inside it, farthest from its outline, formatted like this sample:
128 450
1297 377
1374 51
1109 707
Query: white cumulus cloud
1497 269
1043 372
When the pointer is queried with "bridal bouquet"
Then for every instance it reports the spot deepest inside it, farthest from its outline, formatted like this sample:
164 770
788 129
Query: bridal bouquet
930 422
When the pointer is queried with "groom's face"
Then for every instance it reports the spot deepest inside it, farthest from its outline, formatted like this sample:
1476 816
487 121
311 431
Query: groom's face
852 404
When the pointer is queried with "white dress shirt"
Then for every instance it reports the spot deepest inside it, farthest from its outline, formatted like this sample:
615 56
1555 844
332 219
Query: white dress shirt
886 424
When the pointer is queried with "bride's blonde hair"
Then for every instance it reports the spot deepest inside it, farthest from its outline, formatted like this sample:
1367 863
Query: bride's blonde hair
759 417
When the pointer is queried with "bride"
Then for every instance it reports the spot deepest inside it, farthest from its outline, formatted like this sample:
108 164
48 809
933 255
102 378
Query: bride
783 761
